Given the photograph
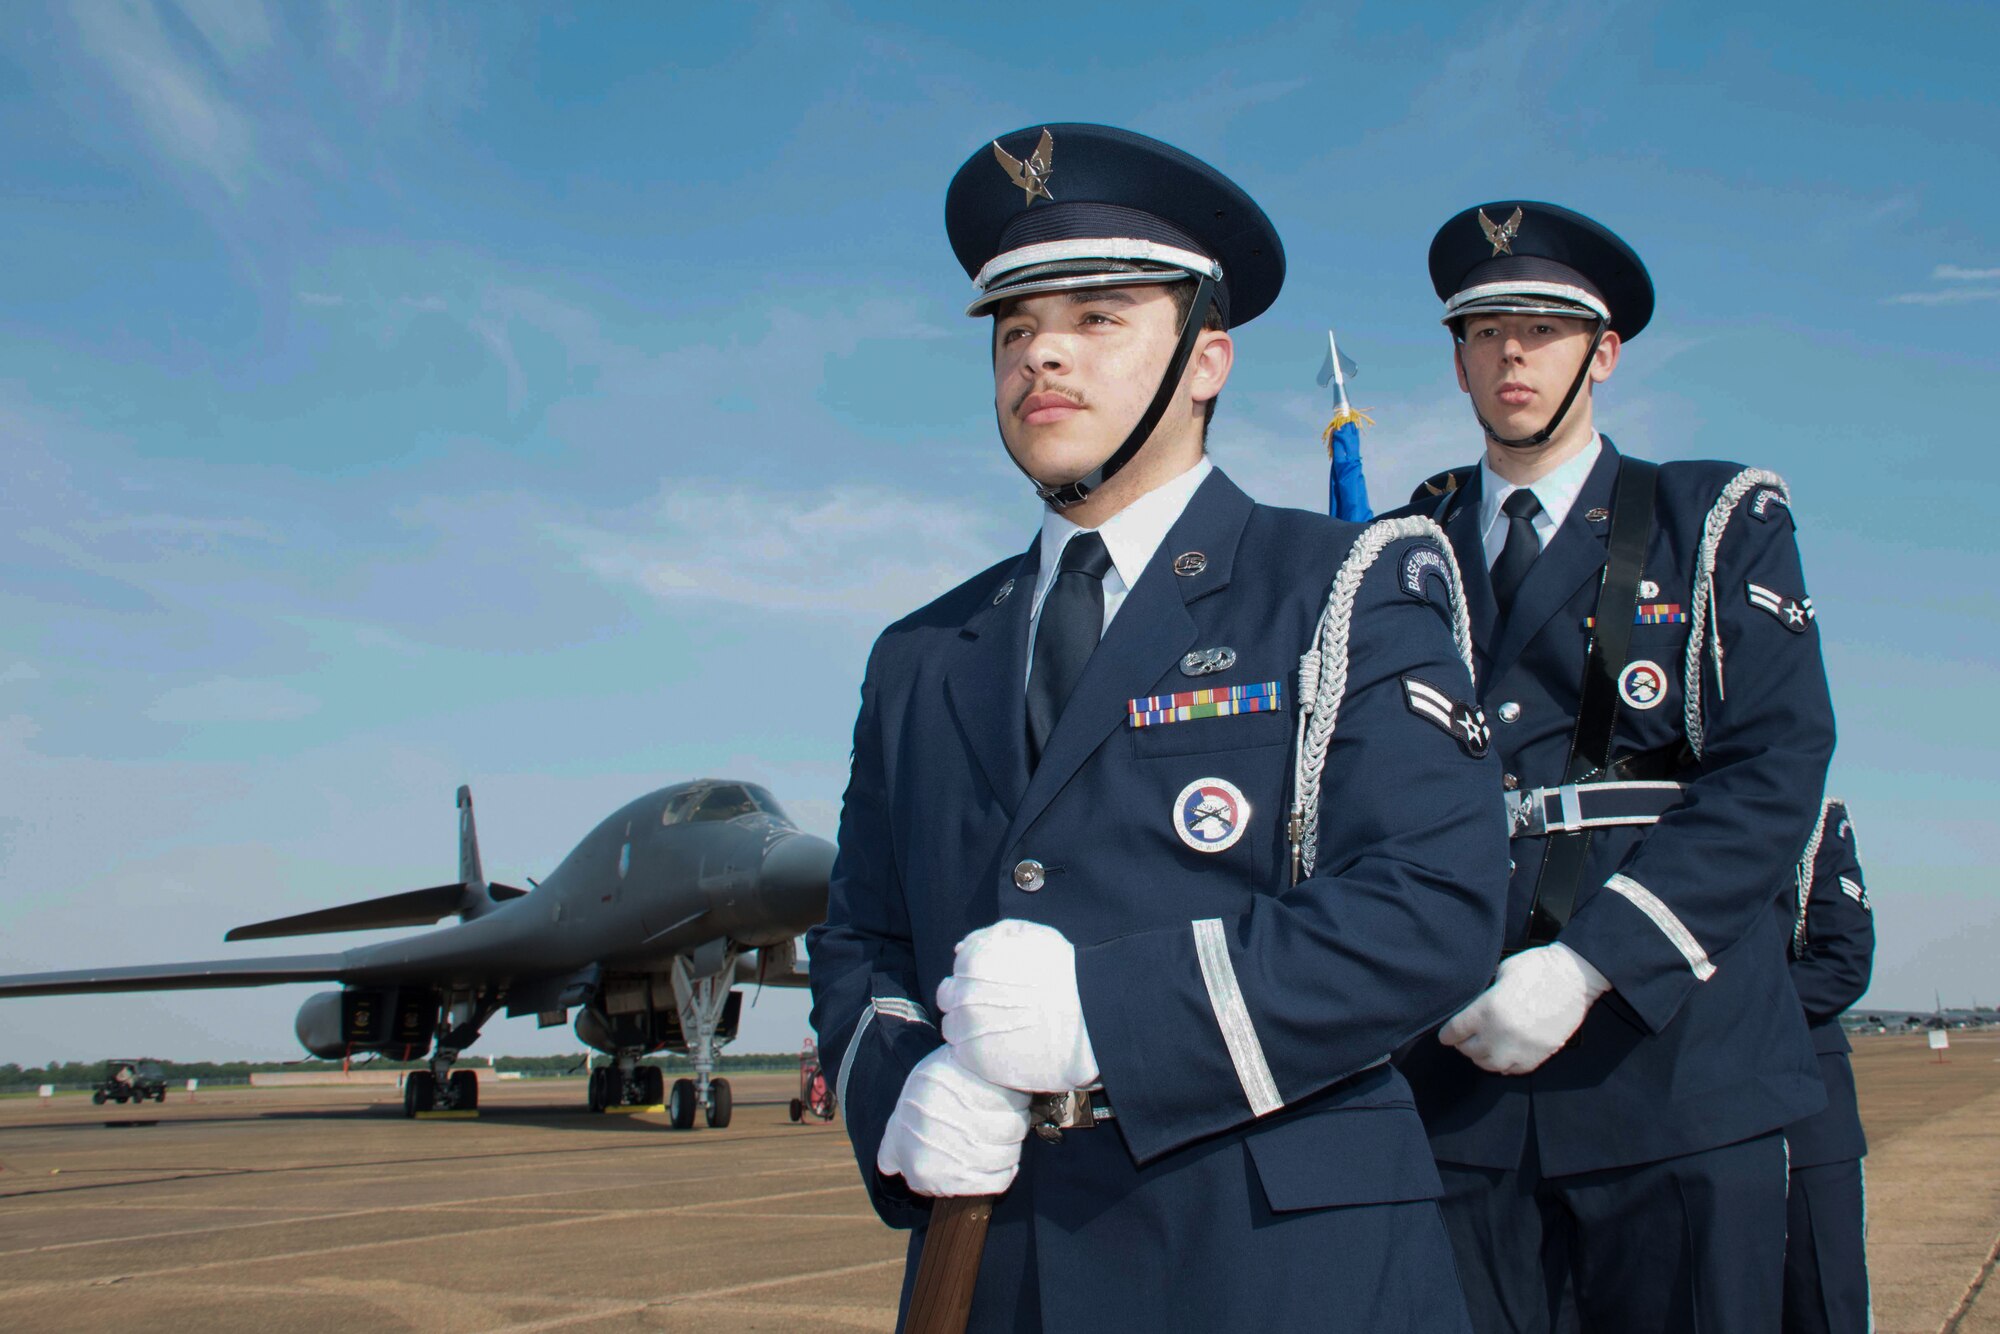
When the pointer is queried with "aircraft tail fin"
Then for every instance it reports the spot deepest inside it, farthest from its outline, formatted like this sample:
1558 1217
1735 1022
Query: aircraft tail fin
469 868
472 896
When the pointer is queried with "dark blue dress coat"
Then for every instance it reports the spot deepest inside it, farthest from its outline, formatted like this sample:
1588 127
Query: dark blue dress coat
1701 1042
1266 1162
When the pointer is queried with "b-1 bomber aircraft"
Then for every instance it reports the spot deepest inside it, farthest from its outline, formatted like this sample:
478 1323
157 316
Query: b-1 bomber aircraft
645 928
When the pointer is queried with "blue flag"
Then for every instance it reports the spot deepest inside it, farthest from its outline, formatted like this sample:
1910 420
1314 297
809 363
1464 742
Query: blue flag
1346 488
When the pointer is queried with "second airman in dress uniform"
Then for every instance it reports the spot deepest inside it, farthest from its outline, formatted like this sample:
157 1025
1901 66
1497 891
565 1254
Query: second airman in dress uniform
1074 886
1608 1115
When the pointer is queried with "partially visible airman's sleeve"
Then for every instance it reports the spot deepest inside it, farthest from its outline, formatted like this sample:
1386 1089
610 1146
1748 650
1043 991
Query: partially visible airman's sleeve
1203 1027
871 1025
1833 950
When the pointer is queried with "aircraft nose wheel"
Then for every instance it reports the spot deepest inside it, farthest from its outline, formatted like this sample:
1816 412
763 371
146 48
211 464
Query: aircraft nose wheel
720 1104
680 1105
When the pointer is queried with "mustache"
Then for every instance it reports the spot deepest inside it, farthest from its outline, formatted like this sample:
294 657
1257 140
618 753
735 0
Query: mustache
1062 390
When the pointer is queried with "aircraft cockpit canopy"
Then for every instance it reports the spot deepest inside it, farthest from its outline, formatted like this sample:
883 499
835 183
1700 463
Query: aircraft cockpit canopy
701 803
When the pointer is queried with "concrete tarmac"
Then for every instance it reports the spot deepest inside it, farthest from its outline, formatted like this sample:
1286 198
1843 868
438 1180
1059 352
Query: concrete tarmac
309 1209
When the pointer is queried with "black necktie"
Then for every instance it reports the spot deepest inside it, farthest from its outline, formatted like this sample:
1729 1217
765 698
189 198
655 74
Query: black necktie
1523 545
1072 623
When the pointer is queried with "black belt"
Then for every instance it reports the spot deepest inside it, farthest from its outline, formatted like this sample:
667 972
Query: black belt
1078 1109
1573 807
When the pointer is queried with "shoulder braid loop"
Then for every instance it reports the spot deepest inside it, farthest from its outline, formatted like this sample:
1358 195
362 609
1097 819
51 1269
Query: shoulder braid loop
1323 670
1702 620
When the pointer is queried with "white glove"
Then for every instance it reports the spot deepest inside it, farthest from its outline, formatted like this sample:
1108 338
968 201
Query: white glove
1011 1009
1535 1004
952 1133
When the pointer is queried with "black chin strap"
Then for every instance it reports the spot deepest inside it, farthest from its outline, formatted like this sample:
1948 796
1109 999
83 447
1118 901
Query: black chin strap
1075 493
1576 386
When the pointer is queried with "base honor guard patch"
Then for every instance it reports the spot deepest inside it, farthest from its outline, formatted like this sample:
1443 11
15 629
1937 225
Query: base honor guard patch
1650 613
1643 685
1462 722
1792 613
1219 702
1210 814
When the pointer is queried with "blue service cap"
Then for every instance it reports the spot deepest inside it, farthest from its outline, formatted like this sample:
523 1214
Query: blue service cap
1520 257
1064 206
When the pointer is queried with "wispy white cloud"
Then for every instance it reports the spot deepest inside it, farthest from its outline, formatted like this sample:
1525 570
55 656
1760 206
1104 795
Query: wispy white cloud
232 699
1944 296
176 104
852 552
18 672
1954 273
326 299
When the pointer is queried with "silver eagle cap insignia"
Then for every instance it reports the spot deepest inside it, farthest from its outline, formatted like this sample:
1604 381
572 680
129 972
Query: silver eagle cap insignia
1502 236
1033 175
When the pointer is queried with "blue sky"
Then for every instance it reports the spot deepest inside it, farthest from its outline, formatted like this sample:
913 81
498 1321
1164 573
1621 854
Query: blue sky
394 395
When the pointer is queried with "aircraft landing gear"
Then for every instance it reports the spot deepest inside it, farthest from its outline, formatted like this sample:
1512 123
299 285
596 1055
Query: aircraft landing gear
720 1104
701 1002
680 1107
627 1083
441 1088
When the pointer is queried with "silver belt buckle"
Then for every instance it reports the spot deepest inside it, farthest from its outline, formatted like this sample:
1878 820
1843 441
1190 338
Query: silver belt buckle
1053 1113
1526 817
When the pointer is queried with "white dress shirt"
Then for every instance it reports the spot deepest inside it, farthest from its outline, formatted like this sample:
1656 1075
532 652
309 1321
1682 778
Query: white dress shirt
1557 492
1131 535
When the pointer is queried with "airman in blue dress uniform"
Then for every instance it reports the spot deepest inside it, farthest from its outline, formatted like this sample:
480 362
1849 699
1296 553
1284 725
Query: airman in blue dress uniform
1074 888
1608 1116
1832 930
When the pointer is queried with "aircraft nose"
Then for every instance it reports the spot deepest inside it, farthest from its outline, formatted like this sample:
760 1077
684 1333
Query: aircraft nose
791 883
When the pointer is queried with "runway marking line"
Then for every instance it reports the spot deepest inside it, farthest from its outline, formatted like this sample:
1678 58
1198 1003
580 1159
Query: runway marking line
608 1216
683 1299
420 1206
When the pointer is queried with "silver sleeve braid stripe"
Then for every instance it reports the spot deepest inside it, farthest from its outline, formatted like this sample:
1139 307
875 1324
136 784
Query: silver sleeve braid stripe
1239 1035
895 1007
1805 877
1323 669
1703 621
1675 930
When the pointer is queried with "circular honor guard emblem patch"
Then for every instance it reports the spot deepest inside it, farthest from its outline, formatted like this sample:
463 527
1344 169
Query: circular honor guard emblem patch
1642 685
1210 814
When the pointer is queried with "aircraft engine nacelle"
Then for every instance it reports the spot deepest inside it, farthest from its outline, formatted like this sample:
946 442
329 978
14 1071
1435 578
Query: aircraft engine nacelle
397 1022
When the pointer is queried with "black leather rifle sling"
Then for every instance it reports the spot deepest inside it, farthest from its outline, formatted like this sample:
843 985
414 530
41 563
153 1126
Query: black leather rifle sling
1631 533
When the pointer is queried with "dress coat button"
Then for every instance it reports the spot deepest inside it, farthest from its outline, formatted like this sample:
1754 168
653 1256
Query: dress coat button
1510 712
1029 875
1508 781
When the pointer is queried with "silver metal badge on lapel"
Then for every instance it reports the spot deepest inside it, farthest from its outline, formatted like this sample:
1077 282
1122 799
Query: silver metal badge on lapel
1648 589
1190 563
1210 814
1208 661
1598 515
1001 595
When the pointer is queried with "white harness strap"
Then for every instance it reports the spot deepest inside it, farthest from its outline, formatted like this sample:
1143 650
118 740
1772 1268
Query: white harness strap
1323 670
1703 619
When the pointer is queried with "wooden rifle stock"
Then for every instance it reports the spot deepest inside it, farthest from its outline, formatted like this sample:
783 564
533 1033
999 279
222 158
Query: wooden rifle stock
941 1301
